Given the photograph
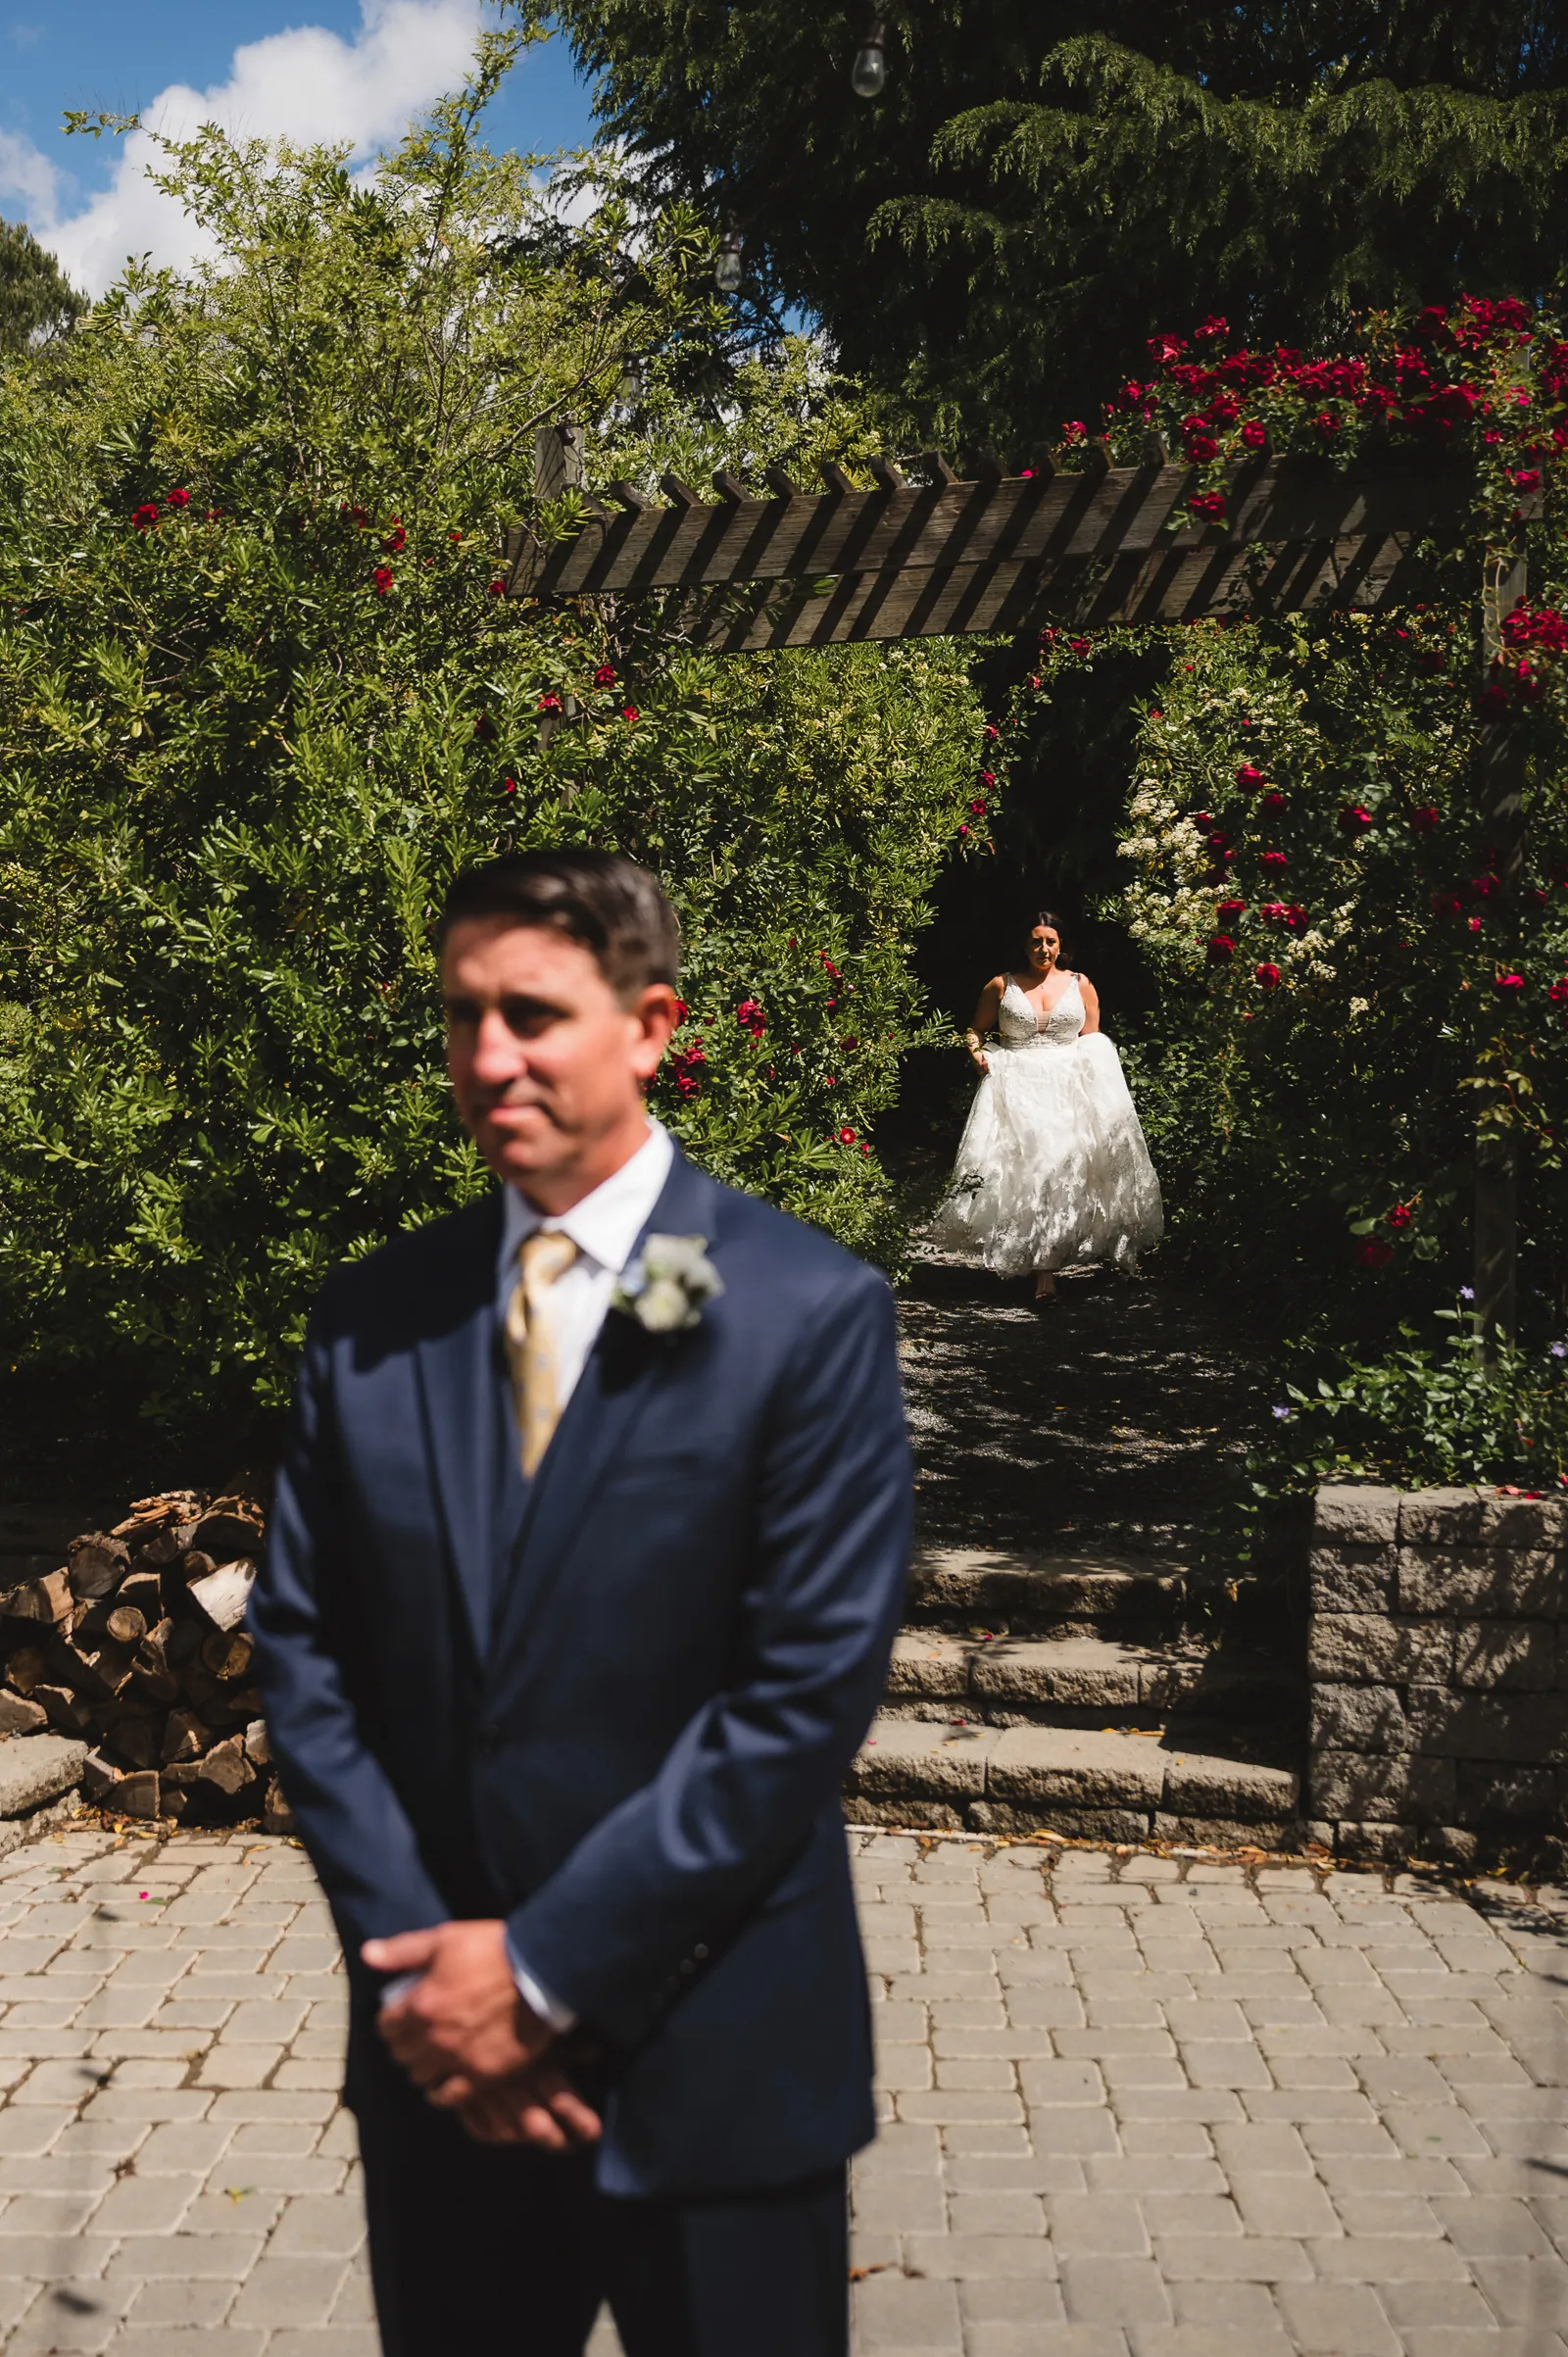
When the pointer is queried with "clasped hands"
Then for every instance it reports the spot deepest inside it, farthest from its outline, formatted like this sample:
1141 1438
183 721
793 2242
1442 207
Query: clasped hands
465 2035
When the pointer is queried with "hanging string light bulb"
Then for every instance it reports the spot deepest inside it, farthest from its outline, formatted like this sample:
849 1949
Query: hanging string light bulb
727 270
632 382
868 76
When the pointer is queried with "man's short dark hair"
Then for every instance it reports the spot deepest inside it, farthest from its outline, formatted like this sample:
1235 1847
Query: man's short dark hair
613 908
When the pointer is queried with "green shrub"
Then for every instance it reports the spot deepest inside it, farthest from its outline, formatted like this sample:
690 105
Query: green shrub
258 700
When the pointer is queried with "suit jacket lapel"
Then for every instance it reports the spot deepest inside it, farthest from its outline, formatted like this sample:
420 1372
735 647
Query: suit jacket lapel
455 1357
625 1369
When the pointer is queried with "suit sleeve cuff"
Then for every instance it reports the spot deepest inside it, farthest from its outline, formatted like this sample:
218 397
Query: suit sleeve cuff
537 1997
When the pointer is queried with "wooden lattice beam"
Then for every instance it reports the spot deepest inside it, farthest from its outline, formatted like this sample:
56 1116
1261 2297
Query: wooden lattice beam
1010 554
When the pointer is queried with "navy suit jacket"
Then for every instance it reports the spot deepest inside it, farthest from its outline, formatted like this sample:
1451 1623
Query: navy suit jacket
623 1721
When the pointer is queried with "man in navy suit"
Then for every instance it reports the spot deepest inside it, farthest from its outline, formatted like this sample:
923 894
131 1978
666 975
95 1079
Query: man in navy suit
585 1564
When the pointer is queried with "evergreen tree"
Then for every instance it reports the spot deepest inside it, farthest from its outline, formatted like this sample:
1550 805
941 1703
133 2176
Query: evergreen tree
1040 188
33 295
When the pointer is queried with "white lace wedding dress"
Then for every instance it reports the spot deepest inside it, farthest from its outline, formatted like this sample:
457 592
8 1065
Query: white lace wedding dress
1052 1166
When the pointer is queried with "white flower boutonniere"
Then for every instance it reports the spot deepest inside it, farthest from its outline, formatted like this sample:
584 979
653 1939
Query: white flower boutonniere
666 1287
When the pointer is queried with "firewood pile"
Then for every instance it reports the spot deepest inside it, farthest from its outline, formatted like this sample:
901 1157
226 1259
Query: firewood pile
135 1646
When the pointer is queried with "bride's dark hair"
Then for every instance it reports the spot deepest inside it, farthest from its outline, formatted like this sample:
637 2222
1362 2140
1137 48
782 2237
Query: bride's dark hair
1042 916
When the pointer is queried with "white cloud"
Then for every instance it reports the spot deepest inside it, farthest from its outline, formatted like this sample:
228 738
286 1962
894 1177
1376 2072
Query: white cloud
306 85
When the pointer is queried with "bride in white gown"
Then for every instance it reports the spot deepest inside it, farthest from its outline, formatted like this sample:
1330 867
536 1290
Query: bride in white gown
1052 1166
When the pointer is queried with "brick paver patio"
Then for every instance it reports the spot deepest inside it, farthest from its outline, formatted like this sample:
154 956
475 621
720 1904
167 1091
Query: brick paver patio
1134 2106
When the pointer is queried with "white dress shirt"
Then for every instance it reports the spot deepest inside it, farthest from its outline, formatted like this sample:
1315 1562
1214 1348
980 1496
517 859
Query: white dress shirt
604 1227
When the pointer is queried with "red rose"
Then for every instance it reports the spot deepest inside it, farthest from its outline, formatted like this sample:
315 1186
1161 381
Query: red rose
1208 330
1163 349
1201 448
396 540
977 810
509 785
1445 904
1527 478
1221 949
176 499
1208 506
1557 992
1275 861
1219 842
548 702
629 711
825 962
1491 703
1228 910
604 676
750 1017
1272 805
145 518
1424 818
1354 818
1253 435
846 1137
1375 1253
383 579
1267 977
498 588
1077 646
1249 777
1401 1215
1474 923
1507 985
1481 887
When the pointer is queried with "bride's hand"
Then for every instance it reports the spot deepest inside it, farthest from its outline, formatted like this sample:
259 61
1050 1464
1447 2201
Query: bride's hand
980 1062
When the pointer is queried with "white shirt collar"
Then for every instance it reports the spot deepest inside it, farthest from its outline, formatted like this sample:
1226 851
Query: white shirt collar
606 1223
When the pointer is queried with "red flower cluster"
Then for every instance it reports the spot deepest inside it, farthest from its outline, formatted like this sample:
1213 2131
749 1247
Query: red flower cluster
687 1066
1354 818
1401 1215
1208 506
548 702
1508 986
604 676
1228 910
1221 949
1446 904
382 580
827 965
498 587
145 518
177 498
1375 1252
1286 913
1424 818
1267 977
1272 805
1248 778
750 1017
1543 626
1557 992
397 539
629 711
1274 860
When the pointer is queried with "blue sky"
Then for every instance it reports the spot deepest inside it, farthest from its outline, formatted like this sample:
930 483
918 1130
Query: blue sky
351 68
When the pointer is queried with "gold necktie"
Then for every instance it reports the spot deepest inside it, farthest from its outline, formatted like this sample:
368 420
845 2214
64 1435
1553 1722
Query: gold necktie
530 1332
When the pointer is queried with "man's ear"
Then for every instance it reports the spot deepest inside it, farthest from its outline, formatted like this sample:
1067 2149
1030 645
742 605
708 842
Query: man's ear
657 1011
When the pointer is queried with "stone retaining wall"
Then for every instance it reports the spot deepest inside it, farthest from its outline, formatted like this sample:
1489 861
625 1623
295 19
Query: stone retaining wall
1437 1659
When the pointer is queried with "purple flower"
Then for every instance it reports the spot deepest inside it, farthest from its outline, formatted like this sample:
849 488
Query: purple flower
1467 1293
1281 1415
1558 1351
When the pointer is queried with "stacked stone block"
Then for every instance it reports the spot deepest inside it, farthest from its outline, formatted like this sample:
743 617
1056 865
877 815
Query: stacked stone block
1437 1659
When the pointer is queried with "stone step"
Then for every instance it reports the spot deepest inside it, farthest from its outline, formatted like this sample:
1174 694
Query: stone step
1078 1681
1102 1784
1001 1593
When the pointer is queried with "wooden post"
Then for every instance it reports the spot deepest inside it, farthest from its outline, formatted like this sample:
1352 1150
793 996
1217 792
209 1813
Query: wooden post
1500 780
559 458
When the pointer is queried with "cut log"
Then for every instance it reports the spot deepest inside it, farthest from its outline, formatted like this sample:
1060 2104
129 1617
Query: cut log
185 1738
150 1674
95 1670
227 1654
223 1595
145 1591
226 1765
195 1565
258 1743
64 1712
19 1716
134 1740
276 1815
25 1668
168 1545
96 1565
127 1625
48 1599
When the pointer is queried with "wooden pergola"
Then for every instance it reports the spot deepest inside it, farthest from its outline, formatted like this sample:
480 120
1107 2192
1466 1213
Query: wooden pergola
1077 549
